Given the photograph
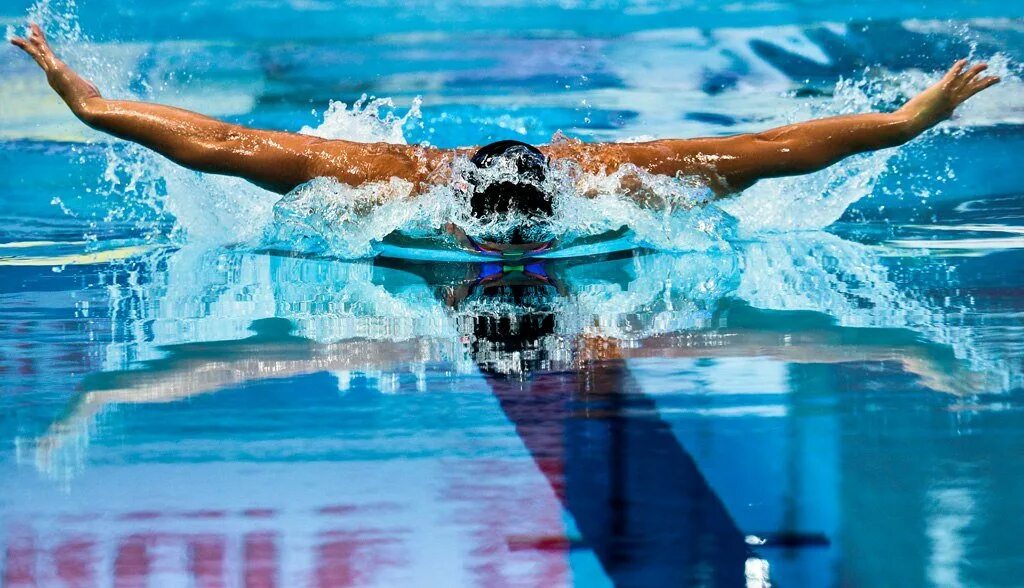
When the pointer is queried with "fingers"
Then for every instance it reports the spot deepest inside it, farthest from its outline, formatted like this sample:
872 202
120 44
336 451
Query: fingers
965 83
26 46
973 72
956 69
39 37
35 45
990 81
960 75
35 38
982 83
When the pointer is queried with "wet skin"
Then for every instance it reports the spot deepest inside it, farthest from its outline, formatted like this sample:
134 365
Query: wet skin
280 161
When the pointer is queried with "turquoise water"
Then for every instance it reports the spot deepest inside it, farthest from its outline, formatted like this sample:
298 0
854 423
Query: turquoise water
817 383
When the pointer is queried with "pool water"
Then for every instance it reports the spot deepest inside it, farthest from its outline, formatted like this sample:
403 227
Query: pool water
824 388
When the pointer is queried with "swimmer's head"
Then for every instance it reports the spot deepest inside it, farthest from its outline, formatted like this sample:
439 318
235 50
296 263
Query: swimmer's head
520 191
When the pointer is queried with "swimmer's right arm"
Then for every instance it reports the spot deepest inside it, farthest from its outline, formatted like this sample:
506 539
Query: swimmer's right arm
274 160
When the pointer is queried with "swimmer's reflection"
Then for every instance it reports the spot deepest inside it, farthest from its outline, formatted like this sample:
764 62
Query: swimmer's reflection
508 317
638 498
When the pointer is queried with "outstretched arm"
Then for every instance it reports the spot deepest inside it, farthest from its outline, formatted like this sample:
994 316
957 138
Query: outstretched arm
274 160
731 164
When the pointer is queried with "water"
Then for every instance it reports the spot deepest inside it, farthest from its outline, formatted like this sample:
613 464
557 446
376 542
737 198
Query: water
816 383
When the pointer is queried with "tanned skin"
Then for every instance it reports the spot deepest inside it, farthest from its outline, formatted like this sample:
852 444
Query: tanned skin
280 161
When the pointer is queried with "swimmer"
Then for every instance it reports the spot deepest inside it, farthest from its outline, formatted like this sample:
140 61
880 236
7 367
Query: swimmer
280 161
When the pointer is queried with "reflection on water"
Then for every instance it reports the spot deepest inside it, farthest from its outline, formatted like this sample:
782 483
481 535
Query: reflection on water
642 418
640 300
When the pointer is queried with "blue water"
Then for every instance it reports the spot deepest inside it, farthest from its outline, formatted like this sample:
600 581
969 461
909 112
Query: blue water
818 383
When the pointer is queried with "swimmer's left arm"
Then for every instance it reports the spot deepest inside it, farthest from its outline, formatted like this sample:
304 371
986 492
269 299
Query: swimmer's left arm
731 164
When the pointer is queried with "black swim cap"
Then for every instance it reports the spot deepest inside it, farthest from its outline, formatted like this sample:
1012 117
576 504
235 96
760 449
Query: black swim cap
525 197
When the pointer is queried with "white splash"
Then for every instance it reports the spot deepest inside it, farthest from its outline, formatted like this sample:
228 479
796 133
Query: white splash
368 120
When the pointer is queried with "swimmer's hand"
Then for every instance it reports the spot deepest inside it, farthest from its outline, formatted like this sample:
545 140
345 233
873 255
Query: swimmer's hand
72 88
938 102
37 48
